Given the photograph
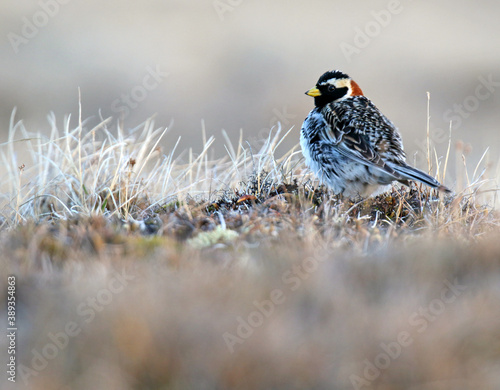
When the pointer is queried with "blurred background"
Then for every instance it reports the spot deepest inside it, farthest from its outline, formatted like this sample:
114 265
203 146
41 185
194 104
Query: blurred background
237 64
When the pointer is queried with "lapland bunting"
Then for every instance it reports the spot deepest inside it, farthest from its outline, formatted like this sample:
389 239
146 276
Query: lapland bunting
350 145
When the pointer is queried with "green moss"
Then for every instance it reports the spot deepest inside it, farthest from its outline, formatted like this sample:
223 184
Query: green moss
145 245
208 239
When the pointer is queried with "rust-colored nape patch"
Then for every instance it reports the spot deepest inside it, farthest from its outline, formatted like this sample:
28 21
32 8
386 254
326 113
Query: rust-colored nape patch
356 90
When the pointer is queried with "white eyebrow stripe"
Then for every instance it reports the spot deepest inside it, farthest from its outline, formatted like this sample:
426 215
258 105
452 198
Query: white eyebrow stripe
338 83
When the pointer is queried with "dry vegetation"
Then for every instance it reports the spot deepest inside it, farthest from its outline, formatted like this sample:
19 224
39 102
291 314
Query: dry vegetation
140 270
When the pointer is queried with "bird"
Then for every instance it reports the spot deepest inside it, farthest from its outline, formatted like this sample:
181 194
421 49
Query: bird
350 145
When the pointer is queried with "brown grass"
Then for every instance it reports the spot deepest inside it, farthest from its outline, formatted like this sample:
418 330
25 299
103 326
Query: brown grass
396 292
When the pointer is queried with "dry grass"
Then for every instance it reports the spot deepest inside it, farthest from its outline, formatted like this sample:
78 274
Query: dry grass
342 294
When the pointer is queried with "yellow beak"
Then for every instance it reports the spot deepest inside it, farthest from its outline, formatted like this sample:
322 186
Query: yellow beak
313 92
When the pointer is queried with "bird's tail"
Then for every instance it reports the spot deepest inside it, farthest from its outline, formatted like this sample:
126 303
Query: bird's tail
410 173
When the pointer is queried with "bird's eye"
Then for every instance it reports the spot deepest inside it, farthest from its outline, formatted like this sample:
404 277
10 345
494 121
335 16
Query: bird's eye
331 88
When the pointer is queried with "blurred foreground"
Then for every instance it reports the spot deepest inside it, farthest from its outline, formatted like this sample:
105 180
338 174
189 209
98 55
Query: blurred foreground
99 309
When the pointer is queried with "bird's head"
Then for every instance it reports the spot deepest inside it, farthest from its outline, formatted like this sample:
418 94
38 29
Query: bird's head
333 86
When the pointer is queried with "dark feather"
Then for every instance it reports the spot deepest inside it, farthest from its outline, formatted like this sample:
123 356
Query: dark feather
353 143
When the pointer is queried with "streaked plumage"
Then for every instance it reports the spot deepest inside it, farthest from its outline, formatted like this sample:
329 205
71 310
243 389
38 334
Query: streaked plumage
350 145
